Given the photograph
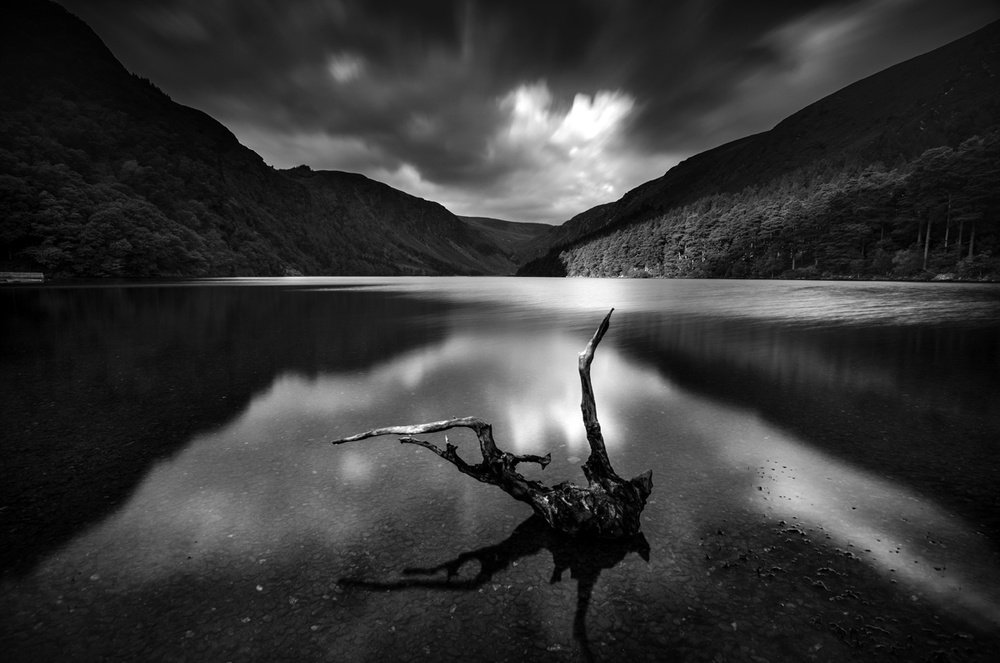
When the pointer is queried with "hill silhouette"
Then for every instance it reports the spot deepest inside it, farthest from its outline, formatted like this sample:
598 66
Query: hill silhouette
102 174
895 175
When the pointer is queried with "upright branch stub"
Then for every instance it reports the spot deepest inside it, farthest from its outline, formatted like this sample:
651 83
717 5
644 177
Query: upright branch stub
598 465
608 506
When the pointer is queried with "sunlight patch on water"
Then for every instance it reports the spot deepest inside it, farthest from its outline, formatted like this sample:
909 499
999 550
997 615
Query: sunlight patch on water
791 302
871 518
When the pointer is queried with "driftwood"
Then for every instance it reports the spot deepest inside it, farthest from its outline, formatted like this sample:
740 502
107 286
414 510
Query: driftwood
607 507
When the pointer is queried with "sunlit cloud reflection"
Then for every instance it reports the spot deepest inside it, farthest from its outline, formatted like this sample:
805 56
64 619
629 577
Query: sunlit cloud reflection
269 478
874 519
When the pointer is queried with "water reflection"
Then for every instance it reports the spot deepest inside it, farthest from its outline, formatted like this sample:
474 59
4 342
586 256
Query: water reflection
788 445
268 481
529 388
916 404
943 367
268 477
106 380
875 520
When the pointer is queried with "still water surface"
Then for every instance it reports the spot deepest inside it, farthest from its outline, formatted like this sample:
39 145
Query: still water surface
824 460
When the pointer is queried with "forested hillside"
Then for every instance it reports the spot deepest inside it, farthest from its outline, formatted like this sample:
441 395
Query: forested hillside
101 174
895 176
934 216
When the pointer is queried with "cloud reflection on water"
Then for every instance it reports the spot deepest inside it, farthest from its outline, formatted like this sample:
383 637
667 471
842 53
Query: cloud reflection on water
881 522
530 390
267 475
268 479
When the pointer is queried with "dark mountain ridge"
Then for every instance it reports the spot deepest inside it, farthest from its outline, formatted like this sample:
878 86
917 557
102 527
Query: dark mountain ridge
102 174
513 236
883 122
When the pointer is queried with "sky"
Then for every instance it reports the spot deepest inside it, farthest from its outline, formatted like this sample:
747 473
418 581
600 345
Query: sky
525 110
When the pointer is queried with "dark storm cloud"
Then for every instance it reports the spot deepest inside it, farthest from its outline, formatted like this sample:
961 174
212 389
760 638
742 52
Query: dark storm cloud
493 100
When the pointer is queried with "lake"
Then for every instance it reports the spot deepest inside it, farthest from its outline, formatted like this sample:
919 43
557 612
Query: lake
824 456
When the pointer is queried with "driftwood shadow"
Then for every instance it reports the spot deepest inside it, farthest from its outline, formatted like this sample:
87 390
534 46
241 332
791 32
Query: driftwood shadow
584 557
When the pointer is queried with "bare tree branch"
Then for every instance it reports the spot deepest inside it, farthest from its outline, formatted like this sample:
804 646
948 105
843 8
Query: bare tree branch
598 464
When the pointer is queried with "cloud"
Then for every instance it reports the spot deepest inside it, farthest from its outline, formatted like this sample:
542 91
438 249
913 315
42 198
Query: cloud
571 158
535 160
345 67
823 51
511 108
546 161
173 24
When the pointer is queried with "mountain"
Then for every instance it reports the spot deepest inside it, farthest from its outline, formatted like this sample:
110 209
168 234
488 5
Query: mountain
513 236
895 175
102 174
